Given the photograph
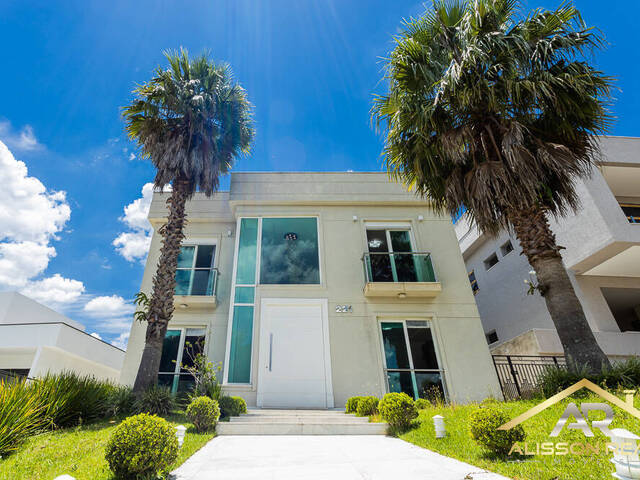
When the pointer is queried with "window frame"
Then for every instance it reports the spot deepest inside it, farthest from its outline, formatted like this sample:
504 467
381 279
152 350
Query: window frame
427 324
179 355
486 335
486 260
503 248
197 242
475 288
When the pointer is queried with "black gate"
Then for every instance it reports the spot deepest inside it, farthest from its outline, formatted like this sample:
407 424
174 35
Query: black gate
519 374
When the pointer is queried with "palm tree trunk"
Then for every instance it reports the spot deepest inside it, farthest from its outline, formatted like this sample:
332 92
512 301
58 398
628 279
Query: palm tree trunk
164 282
539 245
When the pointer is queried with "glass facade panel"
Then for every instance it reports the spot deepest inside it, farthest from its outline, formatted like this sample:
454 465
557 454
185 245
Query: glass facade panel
400 382
183 282
247 252
395 345
193 345
240 352
289 251
423 352
429 386
200 285
185 257
244 294
204 258
170 348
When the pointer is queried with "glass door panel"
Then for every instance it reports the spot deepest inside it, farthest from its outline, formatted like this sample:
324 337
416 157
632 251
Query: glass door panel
400 382
404 262
380 264
423 351
395 346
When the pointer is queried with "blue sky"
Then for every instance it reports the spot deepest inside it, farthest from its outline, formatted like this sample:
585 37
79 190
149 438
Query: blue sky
310 68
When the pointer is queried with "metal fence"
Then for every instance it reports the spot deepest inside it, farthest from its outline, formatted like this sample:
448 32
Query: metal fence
519 375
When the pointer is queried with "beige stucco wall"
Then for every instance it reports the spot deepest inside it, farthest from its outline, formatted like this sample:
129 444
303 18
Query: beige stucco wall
355 340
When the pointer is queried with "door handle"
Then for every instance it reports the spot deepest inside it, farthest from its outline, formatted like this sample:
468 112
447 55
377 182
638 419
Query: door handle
270 350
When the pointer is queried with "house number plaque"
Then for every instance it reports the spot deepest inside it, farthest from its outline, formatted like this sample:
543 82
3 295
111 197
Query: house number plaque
344 309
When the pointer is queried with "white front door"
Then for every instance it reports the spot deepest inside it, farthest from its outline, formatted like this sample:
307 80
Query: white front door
294 367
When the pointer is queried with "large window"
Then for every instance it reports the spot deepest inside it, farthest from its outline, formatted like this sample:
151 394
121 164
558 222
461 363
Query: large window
411 364
289 251
195 274
390 258
178 351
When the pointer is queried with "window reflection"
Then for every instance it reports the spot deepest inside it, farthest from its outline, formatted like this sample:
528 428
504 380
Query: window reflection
289 251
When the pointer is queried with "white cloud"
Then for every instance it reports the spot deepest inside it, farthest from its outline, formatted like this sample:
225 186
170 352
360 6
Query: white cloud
54 290
121 341
108 307
23 139
134 244
96 335
30 218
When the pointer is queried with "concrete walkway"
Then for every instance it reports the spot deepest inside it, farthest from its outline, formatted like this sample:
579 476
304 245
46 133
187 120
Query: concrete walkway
348 457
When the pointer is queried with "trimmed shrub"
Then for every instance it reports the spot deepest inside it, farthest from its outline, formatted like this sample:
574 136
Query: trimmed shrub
203 412
352 405
483 429
156 400
142 446
398 410
232 406
422 403
20 414
367 406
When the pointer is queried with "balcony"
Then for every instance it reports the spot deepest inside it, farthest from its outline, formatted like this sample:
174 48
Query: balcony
196 288
400 275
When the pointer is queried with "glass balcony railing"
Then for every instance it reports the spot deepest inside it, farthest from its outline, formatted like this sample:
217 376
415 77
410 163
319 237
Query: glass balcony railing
398 267
197 281
632 212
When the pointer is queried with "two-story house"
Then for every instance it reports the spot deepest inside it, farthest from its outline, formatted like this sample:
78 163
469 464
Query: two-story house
601 253
313 287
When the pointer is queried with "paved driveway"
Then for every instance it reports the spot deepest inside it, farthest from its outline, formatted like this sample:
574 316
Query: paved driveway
322 457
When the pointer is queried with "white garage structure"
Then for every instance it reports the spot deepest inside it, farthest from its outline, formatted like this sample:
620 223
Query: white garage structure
35 340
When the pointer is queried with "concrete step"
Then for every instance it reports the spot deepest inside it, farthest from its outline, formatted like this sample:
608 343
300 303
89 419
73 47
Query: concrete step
300 428
250 418
299 412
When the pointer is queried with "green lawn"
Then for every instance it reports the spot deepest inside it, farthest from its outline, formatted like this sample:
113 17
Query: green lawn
79 452
459 445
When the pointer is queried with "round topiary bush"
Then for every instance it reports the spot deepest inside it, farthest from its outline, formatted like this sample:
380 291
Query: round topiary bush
203 412
483 428
422 403
352 405
367 406
398 410
232 406
142 445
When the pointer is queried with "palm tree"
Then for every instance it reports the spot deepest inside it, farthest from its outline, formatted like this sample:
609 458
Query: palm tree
498 112
191 120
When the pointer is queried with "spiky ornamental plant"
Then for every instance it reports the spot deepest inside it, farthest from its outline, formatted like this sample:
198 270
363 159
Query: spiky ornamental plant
192 121
497 112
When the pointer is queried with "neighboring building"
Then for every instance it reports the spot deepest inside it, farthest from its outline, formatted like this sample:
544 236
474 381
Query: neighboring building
35 340
287 279
602 255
